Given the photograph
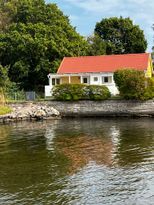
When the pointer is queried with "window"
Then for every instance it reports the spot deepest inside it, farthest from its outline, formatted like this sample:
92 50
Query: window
85 80
106 79
95 79
53 81
57 81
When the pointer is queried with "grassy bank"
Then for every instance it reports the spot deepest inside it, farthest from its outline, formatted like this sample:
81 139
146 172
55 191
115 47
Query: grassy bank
4 110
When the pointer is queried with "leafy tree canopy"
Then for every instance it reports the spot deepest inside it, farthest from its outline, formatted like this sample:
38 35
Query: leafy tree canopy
121 36
3 76
96 45
34 39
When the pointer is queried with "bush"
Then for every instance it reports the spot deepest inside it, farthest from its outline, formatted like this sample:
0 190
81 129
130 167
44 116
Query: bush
4 110
13 92
72 92
96 92
149 90
132 84
68 92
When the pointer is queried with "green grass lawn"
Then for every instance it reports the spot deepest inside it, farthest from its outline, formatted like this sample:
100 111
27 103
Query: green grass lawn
4 110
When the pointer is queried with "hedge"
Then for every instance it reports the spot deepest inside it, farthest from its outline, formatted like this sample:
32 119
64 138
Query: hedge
133 84
72 92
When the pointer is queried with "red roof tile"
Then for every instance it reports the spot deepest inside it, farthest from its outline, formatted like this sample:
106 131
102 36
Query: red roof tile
104 63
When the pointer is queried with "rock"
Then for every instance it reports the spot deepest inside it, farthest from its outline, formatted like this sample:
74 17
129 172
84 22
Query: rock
39 114
30 112
52 112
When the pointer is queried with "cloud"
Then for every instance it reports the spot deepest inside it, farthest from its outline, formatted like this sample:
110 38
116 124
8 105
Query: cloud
140 11
103 5
94 5
85 13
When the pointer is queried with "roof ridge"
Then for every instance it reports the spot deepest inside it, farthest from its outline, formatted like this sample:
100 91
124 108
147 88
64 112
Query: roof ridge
128 54
105 63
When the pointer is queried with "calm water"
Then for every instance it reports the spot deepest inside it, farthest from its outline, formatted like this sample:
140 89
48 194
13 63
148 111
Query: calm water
77 162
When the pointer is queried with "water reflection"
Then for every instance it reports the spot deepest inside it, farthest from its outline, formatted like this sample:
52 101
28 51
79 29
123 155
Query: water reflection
83 149
86 161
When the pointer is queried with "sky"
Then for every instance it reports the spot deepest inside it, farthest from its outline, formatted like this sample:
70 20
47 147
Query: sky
84 14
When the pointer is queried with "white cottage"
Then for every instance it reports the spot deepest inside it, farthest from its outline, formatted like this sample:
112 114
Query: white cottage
97 70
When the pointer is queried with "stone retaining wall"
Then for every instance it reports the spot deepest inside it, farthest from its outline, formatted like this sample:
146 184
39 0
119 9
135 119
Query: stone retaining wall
106 108
52 109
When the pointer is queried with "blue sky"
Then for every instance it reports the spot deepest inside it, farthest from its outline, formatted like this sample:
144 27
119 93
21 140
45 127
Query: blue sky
84 14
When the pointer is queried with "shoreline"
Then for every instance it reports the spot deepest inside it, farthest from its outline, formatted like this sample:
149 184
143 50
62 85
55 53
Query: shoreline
47 110
29 111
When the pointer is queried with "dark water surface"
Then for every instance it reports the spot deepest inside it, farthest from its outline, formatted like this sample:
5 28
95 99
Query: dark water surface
77 161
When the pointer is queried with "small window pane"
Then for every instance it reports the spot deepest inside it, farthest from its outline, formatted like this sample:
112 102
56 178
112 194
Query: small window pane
57 81
106 79
53 81
95 79
85 80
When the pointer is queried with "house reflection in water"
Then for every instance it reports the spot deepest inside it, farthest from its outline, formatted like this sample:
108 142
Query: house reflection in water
83 148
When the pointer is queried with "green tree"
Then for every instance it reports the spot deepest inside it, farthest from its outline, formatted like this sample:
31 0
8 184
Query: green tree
38 36
96 45
3 80
3 76
121 36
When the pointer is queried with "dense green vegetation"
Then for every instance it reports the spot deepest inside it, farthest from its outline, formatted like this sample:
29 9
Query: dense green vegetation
34 38
132 84
120 36
3 82
96 46
4 110
71 92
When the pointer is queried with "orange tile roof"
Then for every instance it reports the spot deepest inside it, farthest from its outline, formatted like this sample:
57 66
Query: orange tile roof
103 63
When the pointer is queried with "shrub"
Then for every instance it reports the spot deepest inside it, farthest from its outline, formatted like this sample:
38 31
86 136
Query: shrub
149 90
68 92
4 110
97 92
73 92
132 84
13 92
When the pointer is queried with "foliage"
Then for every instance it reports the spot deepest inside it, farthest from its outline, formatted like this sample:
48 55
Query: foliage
13 92
4 110
132 84
72 92
121 36
96 45
96 92
68 92
35 41
3 76
149 91
3 82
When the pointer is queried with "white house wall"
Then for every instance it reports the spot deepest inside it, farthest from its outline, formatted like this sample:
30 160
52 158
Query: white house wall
111 86
91 80
48 90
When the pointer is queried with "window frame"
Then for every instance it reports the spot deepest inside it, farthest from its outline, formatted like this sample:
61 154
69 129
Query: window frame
85 78
95 79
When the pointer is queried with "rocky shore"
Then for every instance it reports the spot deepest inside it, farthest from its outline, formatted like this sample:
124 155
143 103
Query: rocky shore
30 111
56 109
